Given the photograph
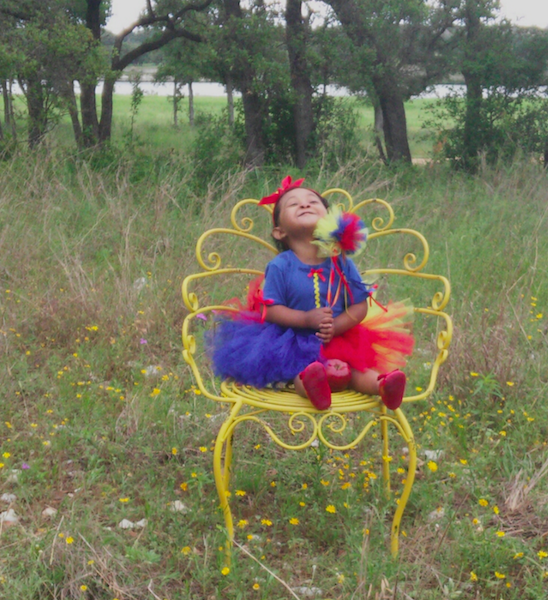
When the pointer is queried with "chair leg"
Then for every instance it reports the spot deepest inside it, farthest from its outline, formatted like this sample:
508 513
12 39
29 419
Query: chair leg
221 472
385 454
409 480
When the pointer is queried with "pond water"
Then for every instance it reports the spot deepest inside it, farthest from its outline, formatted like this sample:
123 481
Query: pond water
206 88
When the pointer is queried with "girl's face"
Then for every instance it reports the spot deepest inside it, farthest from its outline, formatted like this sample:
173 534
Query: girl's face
300 211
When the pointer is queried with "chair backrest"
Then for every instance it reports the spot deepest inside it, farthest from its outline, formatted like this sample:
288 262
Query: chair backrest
395 259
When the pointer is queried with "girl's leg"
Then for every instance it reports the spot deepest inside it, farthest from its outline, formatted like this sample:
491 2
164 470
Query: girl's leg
312 384
390 386
366 382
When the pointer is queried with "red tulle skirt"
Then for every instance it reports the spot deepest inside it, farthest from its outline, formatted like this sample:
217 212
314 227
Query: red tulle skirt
381 341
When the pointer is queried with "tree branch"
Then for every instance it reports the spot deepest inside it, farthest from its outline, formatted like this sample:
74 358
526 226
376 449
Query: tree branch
120 63
15 14
170 22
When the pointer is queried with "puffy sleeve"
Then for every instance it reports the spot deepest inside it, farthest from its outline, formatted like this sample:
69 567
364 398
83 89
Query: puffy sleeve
274 284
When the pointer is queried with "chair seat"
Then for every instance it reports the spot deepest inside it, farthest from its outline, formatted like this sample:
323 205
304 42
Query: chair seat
287 400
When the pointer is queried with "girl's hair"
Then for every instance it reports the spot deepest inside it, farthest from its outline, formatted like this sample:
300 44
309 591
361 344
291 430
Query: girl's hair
281 246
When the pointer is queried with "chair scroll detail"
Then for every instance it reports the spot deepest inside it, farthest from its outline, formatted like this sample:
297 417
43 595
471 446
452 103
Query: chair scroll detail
250 405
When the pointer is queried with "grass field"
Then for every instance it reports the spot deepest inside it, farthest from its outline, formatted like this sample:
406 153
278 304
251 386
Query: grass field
154 122
101 422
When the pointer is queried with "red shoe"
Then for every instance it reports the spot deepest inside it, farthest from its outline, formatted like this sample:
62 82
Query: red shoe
338 374
316 386
392 388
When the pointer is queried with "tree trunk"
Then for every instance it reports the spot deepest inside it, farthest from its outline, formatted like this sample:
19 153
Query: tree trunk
36 110
379 130
394 120
11 114
73 112
88 108
472 135
296 40
354 21
230 100
6 98
190 104
175 103
253 117
105 125
252 103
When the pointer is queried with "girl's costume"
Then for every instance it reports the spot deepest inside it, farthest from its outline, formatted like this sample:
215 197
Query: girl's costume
251 351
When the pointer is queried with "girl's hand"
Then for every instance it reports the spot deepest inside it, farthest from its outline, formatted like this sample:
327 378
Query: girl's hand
326 332
318 316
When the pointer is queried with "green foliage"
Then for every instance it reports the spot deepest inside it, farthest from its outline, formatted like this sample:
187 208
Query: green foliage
336 140
216 149
504 68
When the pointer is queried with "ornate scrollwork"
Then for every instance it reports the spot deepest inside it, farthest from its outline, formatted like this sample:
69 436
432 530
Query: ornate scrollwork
339 429
247 223
345 194
440 299
377 223
214 257
299 428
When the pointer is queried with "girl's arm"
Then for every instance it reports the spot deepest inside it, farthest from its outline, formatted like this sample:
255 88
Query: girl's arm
304 319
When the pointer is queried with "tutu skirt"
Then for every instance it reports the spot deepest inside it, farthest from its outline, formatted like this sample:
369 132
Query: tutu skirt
258 354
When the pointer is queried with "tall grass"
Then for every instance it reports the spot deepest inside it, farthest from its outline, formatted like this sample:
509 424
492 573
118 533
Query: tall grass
98 403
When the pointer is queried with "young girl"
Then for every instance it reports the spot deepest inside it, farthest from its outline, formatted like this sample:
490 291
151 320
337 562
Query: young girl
299 333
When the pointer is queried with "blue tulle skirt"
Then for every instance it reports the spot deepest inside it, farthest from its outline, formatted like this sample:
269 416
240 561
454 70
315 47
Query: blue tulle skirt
260 354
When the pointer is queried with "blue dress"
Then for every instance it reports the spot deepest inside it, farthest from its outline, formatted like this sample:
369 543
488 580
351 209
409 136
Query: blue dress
259 353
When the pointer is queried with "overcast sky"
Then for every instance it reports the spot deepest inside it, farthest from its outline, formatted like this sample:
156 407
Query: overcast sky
523 12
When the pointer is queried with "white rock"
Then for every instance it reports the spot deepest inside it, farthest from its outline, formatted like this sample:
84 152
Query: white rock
437 514
433 454
178 506
140 524
139 284
308 592
9 516
152 371
125 524
13 477
9 498
49 512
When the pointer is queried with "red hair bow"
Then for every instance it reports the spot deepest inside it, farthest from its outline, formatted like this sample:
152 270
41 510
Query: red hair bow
287 184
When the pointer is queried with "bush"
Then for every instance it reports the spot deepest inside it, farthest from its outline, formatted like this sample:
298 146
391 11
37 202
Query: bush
216 148
507 126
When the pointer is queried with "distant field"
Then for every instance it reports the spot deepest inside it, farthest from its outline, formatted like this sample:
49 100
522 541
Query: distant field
154 122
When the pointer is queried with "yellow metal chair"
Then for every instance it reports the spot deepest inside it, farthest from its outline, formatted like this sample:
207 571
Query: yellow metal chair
248 404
